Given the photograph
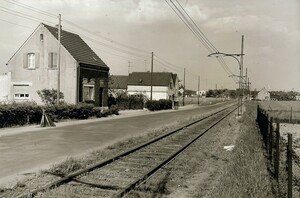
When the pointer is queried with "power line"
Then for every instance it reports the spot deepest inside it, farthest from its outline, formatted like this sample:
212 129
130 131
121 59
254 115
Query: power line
31 8
16 24
106 38
185 21
75 25
22 15
189 22
203 35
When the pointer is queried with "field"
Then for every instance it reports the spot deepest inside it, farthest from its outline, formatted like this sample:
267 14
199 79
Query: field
284 111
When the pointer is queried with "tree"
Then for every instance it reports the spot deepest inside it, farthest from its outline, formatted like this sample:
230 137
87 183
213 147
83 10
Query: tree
49 96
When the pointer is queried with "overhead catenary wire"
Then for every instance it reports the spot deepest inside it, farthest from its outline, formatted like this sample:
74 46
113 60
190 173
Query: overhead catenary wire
189 22
201 33
183 19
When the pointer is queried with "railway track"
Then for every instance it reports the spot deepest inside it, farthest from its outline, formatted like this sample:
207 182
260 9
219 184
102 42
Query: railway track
120 174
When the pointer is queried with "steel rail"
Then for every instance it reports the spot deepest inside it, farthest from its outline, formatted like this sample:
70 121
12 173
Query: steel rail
103 163
154 170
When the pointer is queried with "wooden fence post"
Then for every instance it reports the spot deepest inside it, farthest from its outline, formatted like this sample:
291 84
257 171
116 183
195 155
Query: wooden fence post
277 155
267 133
290 166
271 139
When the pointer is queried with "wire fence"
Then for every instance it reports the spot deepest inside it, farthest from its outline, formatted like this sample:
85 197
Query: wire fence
280 154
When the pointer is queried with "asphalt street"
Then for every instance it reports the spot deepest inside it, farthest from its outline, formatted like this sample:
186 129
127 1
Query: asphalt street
25 152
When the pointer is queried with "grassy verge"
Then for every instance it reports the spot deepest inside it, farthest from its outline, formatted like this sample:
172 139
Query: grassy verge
246 175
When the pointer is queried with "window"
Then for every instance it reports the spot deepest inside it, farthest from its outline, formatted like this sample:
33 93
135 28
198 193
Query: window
41 37
31 61
52 60
21 92
88 92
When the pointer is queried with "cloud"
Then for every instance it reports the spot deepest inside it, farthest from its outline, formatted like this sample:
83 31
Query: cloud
233 23
151 11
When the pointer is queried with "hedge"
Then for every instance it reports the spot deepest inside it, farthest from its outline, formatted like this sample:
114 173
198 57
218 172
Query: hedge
19 114
154 105
30 113
125 101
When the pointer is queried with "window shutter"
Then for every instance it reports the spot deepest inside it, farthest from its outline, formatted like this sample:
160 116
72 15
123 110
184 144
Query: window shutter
25 60
37 60
49 60
55 60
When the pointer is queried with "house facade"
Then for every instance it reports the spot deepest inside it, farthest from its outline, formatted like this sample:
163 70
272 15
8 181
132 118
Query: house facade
263 94
83 75
165 85
4 86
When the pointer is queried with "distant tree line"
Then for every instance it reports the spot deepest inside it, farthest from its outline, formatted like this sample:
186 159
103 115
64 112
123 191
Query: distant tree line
282 95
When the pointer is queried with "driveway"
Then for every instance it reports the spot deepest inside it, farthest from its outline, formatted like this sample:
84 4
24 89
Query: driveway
28 149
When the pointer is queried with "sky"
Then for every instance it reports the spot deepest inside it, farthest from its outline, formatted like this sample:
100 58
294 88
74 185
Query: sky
124 33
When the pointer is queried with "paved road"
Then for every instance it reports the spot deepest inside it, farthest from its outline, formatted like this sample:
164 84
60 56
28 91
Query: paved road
25 152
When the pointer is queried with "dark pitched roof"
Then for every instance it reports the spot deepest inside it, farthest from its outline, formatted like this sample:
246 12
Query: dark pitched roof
144 78
118 82
80 51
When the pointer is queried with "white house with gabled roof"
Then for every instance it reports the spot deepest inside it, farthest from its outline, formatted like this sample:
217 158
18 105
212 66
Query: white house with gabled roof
34 66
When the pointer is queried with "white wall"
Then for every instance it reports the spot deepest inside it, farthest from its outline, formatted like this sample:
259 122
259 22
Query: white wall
158 92
43 77
4 86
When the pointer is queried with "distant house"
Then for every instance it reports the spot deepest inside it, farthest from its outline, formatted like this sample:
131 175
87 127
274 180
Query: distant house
263 94
118 83
297 97
83 75
201 93
165 85
4 86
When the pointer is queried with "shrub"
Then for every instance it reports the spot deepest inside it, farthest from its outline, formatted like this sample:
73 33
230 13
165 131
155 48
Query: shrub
49 96
125 101
30 113
19 114
154 105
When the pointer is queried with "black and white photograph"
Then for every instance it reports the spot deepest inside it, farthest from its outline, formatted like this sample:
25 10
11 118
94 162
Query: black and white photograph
149 98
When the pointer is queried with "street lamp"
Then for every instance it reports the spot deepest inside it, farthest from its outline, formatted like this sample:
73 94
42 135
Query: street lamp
240 99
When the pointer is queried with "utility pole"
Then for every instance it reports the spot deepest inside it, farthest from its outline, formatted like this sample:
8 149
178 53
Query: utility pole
216 92
58 65
241 73
145 65
151 88
205 88
198 89
246 80
183 94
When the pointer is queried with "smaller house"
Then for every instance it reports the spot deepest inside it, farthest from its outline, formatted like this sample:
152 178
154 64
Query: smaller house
165 85
201 93
118 83
263 94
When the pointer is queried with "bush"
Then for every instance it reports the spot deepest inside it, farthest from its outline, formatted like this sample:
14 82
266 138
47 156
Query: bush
19 114
125 101
154 105
64 111
31 113
49 96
